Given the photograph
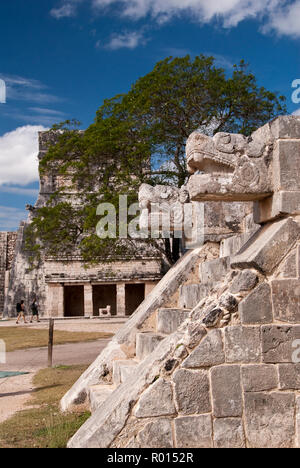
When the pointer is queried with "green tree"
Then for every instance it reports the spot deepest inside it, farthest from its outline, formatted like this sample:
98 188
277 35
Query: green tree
140 137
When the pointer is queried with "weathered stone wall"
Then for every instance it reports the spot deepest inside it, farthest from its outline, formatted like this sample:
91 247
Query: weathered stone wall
229 376
226 373
7 253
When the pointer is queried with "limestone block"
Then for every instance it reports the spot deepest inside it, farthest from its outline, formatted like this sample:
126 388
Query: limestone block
277 343
192 391
228 302
289 267
226 391
190 295
168 320
245 281
229 433
259 378
156 434
270 421
280 204
146 344
194 432
286 160
242 344
194 334
98 394
157 400
286 300
122 369
268 246
257 307
212 317
209 352
289 376
214 270
285 127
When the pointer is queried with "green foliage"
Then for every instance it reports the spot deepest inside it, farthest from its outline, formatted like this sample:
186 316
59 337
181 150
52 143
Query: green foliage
140 137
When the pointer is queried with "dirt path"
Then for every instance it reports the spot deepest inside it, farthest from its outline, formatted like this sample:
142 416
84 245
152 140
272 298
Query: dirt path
15 391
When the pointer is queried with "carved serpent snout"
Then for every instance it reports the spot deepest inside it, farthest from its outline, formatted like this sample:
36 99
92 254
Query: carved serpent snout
224 149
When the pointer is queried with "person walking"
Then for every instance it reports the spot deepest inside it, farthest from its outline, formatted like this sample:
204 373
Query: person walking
21 312
34 311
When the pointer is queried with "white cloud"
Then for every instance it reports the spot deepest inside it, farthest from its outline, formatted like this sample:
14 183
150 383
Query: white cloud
125 40
20 89
18 156
281 16
10 218
67 9
286 20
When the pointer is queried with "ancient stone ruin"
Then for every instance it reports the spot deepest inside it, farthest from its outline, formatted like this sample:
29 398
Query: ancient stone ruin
65 287
7 251
211 358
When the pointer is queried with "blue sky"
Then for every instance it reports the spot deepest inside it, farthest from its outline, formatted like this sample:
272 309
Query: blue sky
61 58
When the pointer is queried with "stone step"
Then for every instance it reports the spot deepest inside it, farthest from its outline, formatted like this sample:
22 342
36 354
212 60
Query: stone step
146 344
168 320
98 395
214 271
191 294
122 370
265 250
232 245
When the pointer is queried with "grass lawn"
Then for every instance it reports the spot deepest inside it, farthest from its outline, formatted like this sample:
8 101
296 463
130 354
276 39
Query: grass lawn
22 338
44 426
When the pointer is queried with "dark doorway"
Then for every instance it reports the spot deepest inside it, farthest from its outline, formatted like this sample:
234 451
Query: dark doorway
74 301
134 296
103 296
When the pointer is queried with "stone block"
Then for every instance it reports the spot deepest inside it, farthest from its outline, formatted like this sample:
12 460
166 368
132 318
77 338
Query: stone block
245 281
286 300
168 320
289 267
226 391
285 127
214 270
257 307
278 343
266 249
209 352
194 334
98 394
289 376
157 400
280 204
156 434
242 344
122 369
228 302
146 344
229 433
212 317
259 378
194 432
192 391
270 420
191 294
286 160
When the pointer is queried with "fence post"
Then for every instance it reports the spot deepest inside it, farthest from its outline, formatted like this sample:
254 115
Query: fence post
50 343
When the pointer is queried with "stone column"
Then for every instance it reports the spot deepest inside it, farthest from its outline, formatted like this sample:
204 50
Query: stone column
54 300
88 300
121 305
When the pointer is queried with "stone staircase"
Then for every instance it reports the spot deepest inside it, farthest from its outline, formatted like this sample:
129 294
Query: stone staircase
167 322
